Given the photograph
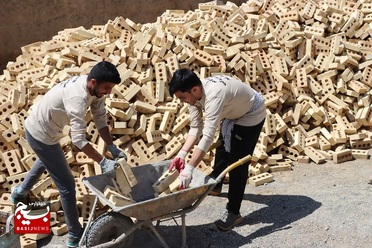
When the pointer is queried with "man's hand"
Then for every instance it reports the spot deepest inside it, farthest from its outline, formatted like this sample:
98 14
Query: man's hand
107 165
116 152
178 162
186 176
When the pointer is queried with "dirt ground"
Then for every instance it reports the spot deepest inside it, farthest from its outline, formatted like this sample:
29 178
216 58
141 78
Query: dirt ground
326 205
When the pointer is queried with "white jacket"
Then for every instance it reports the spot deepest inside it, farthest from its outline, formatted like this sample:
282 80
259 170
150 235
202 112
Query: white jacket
65 104
224 97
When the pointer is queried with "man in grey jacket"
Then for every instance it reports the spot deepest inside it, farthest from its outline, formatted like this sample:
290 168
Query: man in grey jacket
67 104
242 112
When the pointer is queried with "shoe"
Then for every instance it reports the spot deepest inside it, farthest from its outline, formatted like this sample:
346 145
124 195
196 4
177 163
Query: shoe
228 221
73 241
16 197
215 191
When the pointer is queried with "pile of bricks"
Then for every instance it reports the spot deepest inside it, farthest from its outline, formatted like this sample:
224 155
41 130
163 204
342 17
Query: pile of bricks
311 60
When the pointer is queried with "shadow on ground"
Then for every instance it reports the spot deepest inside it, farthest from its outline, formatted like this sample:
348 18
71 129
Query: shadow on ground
277 214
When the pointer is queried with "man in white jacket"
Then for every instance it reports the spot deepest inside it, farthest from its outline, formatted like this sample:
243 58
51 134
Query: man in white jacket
67 104
242 112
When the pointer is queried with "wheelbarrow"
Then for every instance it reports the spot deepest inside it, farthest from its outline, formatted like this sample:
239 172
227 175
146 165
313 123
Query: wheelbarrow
116 228
8 239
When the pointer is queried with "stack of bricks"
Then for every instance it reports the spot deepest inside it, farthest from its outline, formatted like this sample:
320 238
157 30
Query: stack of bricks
124 180
311 60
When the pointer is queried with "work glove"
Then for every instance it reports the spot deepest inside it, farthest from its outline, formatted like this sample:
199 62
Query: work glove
178 162
115 152
186 176
107 165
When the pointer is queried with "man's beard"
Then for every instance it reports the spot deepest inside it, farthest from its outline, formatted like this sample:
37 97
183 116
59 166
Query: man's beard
95 92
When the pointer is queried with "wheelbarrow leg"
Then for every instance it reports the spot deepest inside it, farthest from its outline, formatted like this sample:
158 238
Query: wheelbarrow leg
183 225
183 230
8 222
88 223
153 229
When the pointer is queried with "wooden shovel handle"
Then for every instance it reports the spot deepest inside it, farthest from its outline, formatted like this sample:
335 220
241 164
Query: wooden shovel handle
233 166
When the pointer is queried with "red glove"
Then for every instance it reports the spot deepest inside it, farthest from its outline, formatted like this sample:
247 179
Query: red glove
178 162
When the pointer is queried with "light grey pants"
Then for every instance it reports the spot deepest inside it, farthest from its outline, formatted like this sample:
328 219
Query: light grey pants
52 158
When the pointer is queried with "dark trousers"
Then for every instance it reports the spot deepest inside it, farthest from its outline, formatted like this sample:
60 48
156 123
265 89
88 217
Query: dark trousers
243 142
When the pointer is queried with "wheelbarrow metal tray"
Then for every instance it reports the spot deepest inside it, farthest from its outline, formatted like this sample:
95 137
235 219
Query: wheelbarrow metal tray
146 205
8 238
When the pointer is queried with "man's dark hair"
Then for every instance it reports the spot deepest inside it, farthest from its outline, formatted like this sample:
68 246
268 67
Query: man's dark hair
104 72
183 80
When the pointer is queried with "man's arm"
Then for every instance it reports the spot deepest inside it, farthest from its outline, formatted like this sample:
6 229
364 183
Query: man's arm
197 156
105 135
76 109
100 119
186 170
92 153
111 147
107 165
189 143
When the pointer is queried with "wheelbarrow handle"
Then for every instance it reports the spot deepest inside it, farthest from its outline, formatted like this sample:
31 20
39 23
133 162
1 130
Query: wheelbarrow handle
233 166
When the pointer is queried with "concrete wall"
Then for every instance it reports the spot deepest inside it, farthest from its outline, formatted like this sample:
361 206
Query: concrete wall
25 22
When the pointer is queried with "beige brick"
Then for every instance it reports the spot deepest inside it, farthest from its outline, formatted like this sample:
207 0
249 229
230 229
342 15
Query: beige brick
261 179
165 180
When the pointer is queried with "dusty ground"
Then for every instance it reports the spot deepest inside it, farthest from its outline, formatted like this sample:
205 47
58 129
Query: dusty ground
327 205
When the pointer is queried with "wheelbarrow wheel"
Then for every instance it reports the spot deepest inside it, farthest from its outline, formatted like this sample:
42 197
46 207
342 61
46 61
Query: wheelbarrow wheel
108 227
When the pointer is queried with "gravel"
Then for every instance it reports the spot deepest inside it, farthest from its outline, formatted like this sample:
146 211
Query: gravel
325 205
